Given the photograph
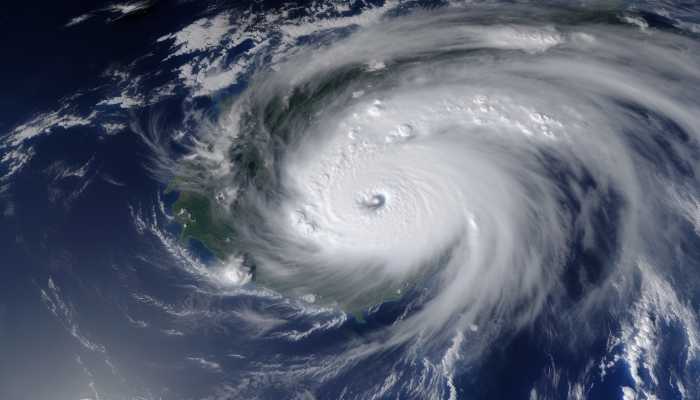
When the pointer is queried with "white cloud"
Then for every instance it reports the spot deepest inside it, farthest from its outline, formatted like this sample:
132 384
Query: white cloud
128 8
206 364
14 161
44 123
77 20
17 153
124 100
216 37
201 35
61 309
113 128
112 12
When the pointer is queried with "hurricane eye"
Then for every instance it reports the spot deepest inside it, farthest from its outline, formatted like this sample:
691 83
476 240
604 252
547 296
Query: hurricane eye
373 202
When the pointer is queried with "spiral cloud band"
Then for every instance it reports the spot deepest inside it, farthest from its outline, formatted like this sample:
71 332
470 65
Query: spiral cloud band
500 166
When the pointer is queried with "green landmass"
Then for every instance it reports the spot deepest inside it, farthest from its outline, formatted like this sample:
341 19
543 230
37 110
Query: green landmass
193 212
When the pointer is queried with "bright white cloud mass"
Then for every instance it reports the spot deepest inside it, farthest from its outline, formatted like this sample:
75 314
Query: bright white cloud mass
467 161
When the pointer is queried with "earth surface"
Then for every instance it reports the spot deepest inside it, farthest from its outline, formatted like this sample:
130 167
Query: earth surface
350 200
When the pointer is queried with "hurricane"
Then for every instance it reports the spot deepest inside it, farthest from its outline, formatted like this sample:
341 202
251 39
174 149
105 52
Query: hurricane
398 206
505 167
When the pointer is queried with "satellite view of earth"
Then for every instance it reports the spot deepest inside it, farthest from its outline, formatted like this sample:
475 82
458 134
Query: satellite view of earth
362 199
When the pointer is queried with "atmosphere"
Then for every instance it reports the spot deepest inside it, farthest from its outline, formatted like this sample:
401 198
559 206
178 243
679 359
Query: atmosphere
352 200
